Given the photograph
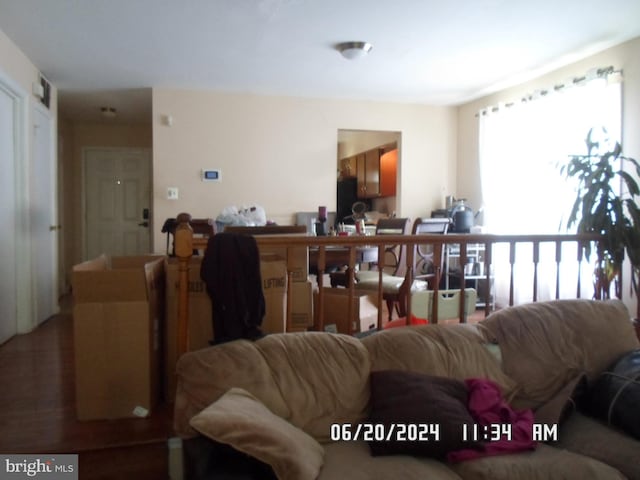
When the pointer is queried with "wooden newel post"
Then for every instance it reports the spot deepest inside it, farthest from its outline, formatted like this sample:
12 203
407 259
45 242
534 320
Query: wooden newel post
184 250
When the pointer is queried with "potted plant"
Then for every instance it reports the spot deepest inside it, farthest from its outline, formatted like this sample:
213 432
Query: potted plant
607 203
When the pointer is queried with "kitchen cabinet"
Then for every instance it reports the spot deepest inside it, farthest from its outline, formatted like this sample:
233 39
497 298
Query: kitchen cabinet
376 170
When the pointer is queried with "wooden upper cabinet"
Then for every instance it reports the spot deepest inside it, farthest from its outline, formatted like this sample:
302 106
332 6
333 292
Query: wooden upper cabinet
376 171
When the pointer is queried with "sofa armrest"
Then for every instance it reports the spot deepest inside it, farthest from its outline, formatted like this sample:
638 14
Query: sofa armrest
241 421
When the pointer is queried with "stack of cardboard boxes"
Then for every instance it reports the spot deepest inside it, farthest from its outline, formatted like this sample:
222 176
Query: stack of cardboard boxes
125 324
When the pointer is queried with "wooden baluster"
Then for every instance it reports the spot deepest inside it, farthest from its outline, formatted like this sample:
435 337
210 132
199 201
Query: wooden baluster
463 264
437 262
351 287
536 261
408 281
512 261
381 256
322 265
488 250
580 257
558 261
289 300
183 243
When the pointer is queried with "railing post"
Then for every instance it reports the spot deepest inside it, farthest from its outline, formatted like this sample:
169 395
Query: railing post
183 242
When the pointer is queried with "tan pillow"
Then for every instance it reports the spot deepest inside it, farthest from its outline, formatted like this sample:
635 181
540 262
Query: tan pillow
239 419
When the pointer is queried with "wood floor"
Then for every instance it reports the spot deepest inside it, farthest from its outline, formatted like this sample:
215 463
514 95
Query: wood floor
37 412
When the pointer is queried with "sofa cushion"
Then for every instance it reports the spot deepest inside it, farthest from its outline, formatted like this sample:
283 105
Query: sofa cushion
615 397
238 419
410 400
455 351
545 345
353 461
592 438
544 463
311 379
323 378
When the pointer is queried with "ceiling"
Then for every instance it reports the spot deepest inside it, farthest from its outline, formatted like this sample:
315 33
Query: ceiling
441 52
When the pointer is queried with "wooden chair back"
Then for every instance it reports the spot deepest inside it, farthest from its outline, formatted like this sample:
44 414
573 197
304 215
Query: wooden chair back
426 263
394 260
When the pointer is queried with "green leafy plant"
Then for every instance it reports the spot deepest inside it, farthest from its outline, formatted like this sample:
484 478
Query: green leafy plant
607 204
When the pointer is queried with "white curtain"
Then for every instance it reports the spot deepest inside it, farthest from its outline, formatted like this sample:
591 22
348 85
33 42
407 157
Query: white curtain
520 150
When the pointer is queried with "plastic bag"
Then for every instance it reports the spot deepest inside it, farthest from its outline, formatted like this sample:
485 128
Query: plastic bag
253 216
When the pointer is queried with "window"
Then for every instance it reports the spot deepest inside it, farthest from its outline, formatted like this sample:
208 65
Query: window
520 151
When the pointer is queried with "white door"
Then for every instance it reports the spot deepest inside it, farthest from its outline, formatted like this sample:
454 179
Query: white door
117 191
8 304
43 217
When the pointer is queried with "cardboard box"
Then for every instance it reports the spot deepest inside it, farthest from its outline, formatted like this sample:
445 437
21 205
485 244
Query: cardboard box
297 260
117 317
301 306
200 320
335 311
273 270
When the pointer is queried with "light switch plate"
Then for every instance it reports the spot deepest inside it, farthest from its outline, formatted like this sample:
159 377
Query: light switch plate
172 193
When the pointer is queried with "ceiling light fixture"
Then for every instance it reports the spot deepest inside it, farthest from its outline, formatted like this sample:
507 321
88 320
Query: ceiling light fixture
108 112
354 50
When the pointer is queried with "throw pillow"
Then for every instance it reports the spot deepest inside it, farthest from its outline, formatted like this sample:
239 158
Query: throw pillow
410 398
240 420
616 394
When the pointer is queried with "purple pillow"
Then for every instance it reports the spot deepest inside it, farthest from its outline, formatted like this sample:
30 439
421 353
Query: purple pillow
420 405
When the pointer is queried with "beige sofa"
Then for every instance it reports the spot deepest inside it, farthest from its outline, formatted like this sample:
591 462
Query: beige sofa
277 399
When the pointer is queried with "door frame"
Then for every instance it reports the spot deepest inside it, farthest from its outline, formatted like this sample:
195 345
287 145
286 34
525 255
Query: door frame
83 203
24 292
55 212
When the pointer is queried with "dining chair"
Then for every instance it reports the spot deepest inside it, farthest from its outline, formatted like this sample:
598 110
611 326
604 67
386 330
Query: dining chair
394 268
429 260
395 288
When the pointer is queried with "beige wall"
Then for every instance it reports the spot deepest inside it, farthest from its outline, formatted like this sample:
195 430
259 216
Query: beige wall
625 56
75 137
280 152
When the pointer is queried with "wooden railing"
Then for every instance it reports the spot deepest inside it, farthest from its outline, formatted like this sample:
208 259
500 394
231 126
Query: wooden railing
185 243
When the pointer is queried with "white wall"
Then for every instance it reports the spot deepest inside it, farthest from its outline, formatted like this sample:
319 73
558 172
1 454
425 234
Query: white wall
280 152
21 73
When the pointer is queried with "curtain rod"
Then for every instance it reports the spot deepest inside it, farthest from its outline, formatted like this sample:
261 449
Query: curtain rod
593 74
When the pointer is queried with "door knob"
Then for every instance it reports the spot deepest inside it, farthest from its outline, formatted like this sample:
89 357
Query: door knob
53 228
143 224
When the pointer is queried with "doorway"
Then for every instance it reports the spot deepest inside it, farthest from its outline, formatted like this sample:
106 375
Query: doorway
117 201
353 144
43 217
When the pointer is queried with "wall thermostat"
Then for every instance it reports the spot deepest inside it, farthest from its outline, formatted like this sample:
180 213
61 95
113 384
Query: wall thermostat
211 175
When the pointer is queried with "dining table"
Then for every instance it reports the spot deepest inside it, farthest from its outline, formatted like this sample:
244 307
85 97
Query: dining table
337 257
